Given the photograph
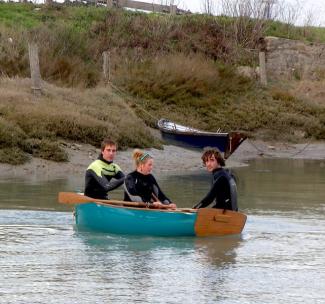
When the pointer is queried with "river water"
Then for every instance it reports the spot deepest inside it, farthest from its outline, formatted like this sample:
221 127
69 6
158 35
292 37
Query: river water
279 257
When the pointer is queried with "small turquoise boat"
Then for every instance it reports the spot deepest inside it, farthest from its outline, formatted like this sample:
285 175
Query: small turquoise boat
119 217
126 220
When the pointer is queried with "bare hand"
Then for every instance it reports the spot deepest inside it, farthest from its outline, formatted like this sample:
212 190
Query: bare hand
157 205
172 206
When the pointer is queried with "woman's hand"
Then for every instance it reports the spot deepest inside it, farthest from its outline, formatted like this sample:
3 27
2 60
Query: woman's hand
157 205
172 206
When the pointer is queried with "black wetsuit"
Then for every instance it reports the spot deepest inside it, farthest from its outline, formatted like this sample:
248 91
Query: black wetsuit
142 188
98 179
223 191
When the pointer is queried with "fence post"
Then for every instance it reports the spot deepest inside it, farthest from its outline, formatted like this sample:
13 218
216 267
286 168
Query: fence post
34 68
262 61
109 3
106 67
173 9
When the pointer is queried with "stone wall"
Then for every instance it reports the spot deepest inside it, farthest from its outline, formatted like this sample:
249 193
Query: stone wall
292 59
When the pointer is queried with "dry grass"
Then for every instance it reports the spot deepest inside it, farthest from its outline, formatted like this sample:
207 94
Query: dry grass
311 90
36 125
202 93
181 87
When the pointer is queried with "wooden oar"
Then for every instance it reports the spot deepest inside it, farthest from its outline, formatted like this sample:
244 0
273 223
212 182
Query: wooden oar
75 198
162 206
178 209
187 210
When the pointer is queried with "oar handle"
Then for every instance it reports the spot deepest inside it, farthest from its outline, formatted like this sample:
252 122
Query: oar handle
75 198
162 205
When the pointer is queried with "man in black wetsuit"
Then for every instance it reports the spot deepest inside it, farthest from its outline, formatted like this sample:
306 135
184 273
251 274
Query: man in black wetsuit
224 189
103 175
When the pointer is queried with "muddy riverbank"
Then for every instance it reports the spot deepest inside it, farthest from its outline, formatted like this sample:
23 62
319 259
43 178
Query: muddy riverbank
170 159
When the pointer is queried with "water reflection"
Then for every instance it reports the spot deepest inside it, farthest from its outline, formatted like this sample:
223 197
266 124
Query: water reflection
187 263
282 185
218 251
35 194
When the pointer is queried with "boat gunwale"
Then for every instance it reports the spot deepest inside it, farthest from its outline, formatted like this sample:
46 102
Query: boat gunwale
187 130
200 133
178 210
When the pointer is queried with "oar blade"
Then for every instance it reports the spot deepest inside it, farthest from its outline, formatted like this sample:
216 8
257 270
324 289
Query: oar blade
71 198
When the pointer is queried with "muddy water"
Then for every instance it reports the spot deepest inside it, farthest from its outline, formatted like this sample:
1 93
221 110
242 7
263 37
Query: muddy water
279 258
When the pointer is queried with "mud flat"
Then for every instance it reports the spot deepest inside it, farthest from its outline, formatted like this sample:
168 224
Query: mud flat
170 159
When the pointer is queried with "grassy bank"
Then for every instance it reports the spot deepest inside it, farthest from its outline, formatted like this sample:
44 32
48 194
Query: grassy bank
36 127
179 67
208 95
72 39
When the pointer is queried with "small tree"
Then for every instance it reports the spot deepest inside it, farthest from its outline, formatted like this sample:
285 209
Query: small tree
208 7
268 8
248 21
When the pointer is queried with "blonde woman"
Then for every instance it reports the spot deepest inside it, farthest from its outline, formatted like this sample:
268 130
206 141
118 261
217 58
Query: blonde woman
141 186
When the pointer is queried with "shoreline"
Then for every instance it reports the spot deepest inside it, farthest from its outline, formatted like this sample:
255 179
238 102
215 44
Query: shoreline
170 160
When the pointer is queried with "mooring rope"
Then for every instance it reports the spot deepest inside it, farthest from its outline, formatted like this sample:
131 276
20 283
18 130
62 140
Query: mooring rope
125 95
270 154
301 150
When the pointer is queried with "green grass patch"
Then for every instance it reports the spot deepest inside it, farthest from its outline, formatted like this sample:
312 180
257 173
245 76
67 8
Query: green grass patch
72 39
19 15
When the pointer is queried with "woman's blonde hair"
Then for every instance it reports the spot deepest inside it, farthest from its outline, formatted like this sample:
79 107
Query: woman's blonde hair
140 157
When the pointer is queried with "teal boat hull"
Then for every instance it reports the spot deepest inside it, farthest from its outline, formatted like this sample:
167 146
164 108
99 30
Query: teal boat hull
133 221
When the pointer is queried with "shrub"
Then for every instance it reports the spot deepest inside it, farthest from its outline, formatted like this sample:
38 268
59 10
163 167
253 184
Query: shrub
13 156
45 149
10 134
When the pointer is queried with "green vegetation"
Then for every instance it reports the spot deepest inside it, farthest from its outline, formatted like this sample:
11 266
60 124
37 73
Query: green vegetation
307 33
179 67
210 96
72 38
36 127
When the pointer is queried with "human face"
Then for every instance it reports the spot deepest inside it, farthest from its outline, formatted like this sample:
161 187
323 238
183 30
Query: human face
146 167
211 163
109 152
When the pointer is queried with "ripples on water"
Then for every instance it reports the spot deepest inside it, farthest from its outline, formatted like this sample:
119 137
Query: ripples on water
279 258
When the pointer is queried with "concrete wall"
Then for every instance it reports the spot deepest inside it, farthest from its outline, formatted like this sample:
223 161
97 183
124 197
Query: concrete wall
152 7
291 59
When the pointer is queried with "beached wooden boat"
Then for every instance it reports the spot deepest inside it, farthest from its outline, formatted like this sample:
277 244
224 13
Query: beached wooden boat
188 137
119 217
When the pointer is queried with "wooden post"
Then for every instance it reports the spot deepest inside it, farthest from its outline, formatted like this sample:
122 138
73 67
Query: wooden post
106 66
34 68
173 9
109 3
262 61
